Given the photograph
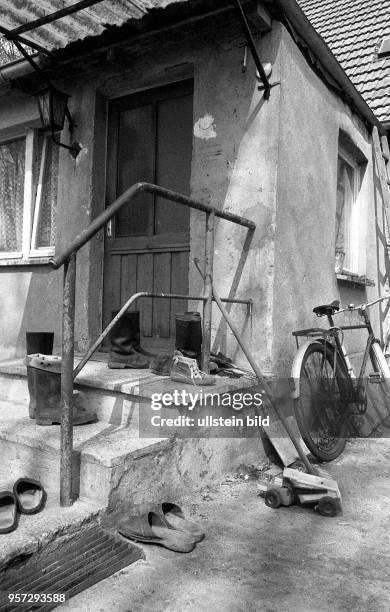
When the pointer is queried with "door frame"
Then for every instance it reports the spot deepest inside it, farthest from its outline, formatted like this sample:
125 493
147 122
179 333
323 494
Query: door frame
139 244
151 241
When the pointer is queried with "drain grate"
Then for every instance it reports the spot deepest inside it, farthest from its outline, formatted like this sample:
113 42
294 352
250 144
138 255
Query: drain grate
69 569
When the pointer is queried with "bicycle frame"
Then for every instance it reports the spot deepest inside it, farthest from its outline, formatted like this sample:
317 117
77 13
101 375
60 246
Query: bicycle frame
331 337
355 391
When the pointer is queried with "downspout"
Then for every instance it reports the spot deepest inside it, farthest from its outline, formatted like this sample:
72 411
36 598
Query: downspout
386 125
316 43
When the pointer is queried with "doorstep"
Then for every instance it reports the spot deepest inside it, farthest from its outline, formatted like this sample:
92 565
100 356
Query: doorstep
110 458
115 395
97 375
113 467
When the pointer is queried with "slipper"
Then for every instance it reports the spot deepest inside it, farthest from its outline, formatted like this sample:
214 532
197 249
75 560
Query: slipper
30 495
152 529
175 518
8 512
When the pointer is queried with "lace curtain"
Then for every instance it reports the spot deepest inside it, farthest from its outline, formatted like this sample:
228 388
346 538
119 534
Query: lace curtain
12 177
12 167
47 213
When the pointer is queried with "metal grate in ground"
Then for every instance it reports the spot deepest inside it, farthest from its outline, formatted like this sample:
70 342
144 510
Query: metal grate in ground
68 569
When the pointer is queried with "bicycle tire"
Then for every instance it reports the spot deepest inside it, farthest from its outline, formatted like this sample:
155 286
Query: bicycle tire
320 410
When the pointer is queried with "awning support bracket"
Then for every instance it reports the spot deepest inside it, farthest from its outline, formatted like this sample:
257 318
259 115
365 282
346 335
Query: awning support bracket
255 54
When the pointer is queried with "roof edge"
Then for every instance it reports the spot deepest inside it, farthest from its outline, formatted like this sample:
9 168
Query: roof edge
317 44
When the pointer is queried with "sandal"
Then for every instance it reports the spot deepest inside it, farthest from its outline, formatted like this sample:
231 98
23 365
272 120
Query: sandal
30 495
8 512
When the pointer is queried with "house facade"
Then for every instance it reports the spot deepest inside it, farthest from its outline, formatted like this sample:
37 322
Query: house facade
172 98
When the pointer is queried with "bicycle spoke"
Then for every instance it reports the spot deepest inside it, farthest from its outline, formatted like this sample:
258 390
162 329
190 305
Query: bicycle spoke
320 406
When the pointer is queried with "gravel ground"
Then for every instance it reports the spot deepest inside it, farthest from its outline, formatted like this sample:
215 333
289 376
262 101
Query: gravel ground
256 558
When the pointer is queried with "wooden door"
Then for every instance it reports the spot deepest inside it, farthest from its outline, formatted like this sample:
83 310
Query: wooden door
149 139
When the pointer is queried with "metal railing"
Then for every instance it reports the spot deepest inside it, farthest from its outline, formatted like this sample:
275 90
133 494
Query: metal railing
147 294
68 259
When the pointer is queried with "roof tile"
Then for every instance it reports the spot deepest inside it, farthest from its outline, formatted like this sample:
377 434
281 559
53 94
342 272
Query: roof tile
353 30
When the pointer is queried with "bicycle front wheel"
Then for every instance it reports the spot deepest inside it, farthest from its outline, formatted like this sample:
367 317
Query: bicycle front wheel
319 410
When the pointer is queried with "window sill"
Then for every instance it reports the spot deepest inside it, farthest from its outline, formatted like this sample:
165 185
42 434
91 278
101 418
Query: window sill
34 261
355 280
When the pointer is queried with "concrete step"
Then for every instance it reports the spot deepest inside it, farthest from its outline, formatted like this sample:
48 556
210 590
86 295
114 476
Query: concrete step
113 466
101 452
113 394
50 527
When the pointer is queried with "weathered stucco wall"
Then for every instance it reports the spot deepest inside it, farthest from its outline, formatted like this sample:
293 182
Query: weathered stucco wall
31 296
234 168
28 302
234 165
312 117
272 161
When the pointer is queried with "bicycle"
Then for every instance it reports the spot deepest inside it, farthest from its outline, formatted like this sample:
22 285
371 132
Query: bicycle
326 392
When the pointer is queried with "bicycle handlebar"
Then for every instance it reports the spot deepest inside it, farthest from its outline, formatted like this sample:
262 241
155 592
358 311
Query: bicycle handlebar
352 307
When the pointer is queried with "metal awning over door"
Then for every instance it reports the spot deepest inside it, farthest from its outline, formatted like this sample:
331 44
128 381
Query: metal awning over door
49 25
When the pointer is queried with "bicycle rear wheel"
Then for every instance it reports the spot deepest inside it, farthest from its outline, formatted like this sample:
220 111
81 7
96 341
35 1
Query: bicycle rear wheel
320 410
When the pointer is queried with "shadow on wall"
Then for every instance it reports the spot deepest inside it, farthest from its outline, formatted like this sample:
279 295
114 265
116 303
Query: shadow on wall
30 301
227 174
244 185
220 340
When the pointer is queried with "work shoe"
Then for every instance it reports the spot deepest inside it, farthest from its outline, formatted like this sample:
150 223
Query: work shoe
46 373
126 351
186 370
132 359
161 366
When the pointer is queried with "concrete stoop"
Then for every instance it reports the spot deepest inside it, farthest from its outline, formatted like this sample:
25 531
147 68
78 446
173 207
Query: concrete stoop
113 465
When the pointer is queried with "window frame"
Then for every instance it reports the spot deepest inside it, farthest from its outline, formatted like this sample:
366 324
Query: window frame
32 201
352 262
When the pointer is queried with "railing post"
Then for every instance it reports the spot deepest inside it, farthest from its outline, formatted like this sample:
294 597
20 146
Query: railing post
66 497
208 291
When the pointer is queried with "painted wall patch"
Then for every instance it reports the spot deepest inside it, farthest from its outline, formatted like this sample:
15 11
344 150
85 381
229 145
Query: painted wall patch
205 128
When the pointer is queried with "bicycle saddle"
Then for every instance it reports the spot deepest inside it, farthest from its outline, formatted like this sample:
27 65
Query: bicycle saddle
327 309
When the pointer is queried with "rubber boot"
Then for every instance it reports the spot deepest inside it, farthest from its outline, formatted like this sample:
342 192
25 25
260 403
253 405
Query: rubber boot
46 371
126 351
36 342
189 334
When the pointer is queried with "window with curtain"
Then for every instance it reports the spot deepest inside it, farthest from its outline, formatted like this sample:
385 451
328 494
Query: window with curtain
46 181
350 214
12 171
28 196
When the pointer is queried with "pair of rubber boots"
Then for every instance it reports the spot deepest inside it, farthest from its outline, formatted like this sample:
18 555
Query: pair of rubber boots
126 350
44 385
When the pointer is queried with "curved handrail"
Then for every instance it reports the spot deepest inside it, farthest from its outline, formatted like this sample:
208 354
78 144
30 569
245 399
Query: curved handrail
104 217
